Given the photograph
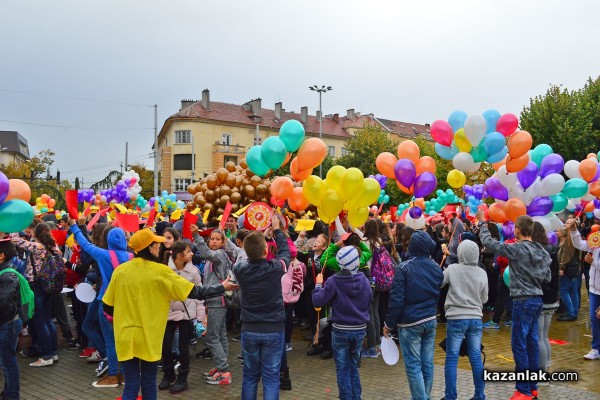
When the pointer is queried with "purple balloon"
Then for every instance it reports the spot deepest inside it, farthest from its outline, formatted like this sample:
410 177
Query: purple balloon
425 184
415 212
540 206
528 175
597 176
552 238
495 189
468 189
596 203
405 172
4 186
508 230
551 164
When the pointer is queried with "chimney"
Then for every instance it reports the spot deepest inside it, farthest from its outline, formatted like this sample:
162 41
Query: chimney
336 118
255 104
304 115
350 114
278 110
318 115
206 99
186 103
427 126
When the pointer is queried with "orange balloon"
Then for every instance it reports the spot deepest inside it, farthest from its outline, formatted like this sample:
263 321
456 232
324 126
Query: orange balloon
514 208
497 165
589 207
385 163
420 202
281 187
288 157
405 189
297 201
497 213
298 175
592 155
519 144
409 149
516 164
51 203
17 189
312 153
587 169
595 188
425 164
595 227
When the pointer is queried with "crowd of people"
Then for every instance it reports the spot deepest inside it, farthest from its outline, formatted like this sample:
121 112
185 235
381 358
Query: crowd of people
342 286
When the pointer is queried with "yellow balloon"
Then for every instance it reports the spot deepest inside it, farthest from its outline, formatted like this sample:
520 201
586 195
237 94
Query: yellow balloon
357 217
313 188
352 182
334 178
323 217
456 178
461 141
332 203
369 192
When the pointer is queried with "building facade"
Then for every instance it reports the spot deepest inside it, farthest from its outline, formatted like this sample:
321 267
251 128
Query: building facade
13 148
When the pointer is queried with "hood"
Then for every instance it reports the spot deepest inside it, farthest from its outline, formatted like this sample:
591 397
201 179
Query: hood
116 240
468 253
350 283
420 244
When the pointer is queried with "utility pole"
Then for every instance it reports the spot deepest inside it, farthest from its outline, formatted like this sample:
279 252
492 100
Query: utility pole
126 155
155 150
193 161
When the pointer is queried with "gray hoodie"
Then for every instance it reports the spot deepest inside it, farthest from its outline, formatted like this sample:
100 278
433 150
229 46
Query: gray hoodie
529 264
468 284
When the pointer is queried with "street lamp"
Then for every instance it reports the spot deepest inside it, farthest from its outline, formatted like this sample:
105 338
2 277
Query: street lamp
320 90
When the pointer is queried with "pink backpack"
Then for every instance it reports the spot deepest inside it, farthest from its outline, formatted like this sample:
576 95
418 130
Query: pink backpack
115 263
292 282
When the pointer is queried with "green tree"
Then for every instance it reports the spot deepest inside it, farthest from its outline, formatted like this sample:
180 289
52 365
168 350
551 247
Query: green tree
363 148
146 179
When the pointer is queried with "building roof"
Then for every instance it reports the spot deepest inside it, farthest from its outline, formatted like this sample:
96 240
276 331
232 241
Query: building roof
11 140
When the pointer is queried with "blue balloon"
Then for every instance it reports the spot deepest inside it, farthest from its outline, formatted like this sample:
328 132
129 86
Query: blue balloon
291 134
445 152
494 142
457 120
491 117
255 161
273 152
494 158
15 215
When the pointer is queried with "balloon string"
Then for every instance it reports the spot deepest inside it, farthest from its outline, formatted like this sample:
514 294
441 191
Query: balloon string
318 309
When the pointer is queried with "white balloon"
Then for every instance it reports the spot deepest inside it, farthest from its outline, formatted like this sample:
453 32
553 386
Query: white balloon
507 179
475 127
545 223
572 169
475 167
463 162
555 222
597 213
552 184
588 197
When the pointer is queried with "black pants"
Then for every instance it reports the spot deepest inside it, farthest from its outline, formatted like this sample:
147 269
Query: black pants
493 287
185 334
289 322
59 310
502 296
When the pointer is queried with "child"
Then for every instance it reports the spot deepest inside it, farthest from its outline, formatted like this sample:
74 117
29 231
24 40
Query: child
529 267
312 260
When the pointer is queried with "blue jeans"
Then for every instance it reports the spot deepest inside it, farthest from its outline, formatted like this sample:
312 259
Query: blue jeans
109 341
569 295
43 324
595 322
524 339
140 374
470 330
262 357
91 328
9 336
417 343
346 347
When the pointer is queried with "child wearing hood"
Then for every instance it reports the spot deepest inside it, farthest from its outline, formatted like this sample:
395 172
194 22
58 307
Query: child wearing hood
350 295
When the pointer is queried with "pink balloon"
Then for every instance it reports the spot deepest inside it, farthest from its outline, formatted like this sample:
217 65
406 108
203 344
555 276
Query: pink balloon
507 124
441 132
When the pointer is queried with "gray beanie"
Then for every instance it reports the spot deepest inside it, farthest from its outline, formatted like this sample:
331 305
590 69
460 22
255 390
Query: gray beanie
347 258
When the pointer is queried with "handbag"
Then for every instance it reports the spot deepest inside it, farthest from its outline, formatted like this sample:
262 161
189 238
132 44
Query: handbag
463 348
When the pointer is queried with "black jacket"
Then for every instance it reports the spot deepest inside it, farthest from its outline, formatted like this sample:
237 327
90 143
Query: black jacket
9 294
551 290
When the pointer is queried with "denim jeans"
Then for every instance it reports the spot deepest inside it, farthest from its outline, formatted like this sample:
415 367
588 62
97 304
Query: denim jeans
595 322
9 337
569 295
91 328
470 330
262 358
524 339
346 347
140 374
109 341
43 324
417 343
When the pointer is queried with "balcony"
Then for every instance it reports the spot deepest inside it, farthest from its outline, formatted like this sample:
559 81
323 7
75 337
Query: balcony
219 147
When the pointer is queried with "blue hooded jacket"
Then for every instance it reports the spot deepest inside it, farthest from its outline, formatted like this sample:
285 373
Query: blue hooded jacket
116 241
416 288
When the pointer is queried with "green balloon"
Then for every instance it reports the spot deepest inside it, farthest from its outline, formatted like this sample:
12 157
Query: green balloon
273 152
539 153
15 215
560 202
291 134
575 188
256 162
506 276
479 154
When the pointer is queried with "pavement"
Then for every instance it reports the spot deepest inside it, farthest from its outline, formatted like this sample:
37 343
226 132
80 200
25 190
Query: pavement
314 378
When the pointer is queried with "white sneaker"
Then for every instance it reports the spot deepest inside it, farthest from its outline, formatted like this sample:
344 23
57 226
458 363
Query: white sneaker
95 357
42 363
592 355
55 358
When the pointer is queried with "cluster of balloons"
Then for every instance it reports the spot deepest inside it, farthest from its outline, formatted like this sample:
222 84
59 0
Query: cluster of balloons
342 189
413 174
166 202
474 196
126 191
382 179
15 212
383 198
433 206
43 204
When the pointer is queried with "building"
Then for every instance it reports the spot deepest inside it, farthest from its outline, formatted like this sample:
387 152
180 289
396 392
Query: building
204 135
13 148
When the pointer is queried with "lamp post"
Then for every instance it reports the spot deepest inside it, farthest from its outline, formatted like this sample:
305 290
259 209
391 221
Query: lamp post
256 119
320 90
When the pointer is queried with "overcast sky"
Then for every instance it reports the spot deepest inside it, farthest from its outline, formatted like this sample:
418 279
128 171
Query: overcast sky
412 61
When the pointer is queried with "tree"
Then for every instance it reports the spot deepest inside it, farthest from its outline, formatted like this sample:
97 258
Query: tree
568 121
146 179
363 148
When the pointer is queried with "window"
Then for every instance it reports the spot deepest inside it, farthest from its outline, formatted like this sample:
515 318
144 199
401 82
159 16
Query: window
344 151
331 151
233 159
182 162
226 139
182 184
183 137
257 141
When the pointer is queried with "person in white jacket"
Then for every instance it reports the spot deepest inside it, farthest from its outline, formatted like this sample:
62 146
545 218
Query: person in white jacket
594 293
181 315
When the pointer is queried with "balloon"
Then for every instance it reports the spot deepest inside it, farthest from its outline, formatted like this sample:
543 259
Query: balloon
456 178
588 168
595 188
255 162
357 217
479 154
273 152
415 212
4 187
15 215
369 192
551 164
445 152
519 144
464 162
331 203
456 120
409 149
296 201
282 187
475 128
441 132
296 174
462 142
291 134
425 164
496 212
499 164
495 189
508 230
351 183
560 202
18 190
499 157
506 276
313 188
311 154
575 188
507 124
405 172
572 169
528 175
552 238
540 152
540 206
552 184
516 164
425 184
385 163
494 142
491 118
514 208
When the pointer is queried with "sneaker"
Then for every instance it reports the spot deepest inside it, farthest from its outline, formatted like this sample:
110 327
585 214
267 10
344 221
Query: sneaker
288 347
240 356
534 394
102 368
55 358
592 355
95 357
508 323
370 353
87 352
210 373
72 345
520 396
193 341
220 378
237 338
176 367
108 381
566 318
42 363
491 325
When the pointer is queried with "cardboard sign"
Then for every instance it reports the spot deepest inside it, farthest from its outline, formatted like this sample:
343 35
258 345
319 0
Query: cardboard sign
188 220
225 215
305 225
128 222
96 217
60 236
151 218
71 200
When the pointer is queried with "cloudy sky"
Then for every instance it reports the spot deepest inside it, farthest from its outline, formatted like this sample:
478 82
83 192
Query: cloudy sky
91 69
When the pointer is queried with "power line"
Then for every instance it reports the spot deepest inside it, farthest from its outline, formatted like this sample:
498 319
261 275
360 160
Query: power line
76 127
139 157
75 98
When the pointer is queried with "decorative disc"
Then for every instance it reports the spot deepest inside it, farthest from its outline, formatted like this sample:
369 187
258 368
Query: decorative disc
258 216
593 239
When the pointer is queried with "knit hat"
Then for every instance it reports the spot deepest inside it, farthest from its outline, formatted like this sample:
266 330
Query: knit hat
142 239
348 259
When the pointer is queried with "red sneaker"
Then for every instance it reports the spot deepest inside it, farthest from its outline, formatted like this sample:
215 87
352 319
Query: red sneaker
534 394
87 352
520 396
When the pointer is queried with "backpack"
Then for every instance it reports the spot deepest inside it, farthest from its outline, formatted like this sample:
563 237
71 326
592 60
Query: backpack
292 283
26 304
382 269
51 276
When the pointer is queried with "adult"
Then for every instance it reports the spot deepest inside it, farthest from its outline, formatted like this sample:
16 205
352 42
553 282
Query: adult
568 261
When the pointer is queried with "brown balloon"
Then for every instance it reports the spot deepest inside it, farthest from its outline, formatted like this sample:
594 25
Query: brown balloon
210 195
243 163
261 189
211 181
221 175
208 206
249 173
225 199
225 190
255 180
204 187
230 166
239 169
190 206
217 203
191 189
238 181
218 191
220 211
249 191
236 197
235 207
230 180
198 187
202 181
235 190
199 199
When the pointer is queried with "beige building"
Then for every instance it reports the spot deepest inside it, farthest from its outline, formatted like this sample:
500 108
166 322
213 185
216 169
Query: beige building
204 135
13 148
